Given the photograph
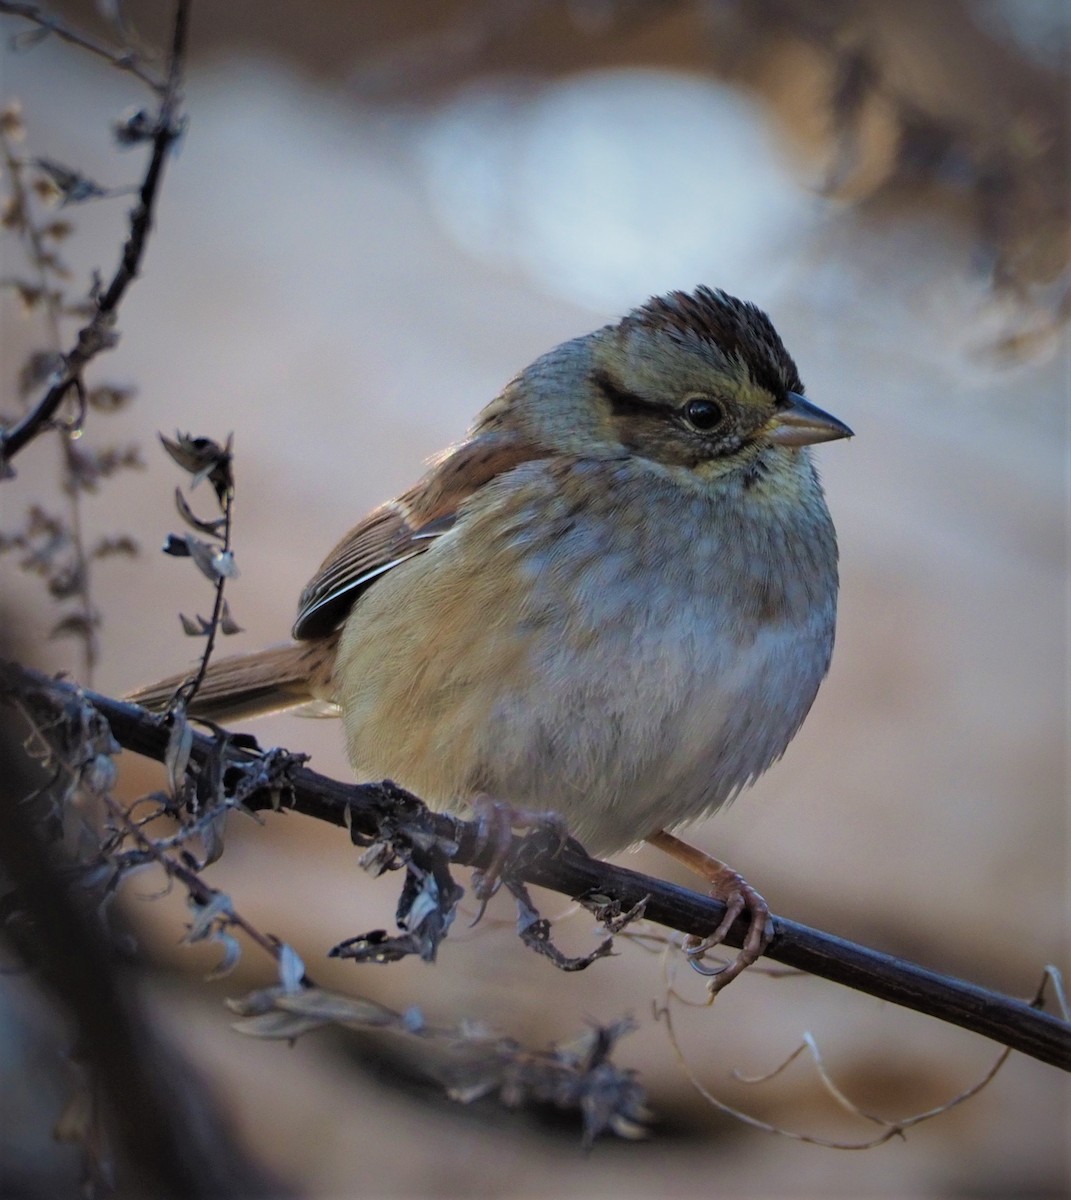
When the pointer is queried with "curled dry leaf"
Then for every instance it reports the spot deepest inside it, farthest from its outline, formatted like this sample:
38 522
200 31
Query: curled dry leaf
134 126
73 186
291 969
203 459
227 624
219 908
534 931
179 748
110 397
232 954
213 527
198 627
215 564
278 1013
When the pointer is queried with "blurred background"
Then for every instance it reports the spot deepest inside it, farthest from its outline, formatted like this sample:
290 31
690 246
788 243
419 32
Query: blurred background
378 214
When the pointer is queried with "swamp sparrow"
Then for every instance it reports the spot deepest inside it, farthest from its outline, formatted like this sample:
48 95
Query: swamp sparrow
615 600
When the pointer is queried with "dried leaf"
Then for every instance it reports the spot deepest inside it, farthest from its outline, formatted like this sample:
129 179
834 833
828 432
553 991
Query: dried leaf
291 968
203 459
12 125
29 294
232 953
305 1009
37 368
224 565
213 563
219 908
115 544
49 260
227 624
99 774
86 467
277 1025
253 1004
577 1075
202 554
338 1009
179 746
134 126
110 397
187 514
73 186
57 230
12 214
46 190
66 581
212 836
74 625
198 628
376 946
534 931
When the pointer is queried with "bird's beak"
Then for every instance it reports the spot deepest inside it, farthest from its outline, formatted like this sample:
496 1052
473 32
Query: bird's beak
803 423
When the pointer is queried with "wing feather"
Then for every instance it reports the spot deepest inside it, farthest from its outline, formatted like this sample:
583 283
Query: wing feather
401 529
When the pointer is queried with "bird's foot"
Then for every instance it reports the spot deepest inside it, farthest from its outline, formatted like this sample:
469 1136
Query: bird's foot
496 822
737 895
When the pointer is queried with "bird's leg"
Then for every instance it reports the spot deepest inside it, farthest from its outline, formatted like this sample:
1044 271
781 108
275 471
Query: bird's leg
496 821
737 895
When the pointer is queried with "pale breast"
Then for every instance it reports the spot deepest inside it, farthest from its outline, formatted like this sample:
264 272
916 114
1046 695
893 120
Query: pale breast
592 638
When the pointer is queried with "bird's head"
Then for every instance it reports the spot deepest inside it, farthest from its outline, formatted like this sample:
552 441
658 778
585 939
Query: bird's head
700 381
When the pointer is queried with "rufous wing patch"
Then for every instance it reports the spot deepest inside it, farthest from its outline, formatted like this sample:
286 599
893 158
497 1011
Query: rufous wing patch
403 528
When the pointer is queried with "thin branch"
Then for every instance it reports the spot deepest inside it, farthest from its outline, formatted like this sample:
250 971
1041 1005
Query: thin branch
199 891
362 807
123 60
98 333
224 484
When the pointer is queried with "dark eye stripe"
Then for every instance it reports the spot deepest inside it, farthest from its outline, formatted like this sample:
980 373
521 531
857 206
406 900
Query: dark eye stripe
621 401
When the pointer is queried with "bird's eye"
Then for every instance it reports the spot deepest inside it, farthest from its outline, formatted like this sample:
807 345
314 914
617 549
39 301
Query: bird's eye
704 414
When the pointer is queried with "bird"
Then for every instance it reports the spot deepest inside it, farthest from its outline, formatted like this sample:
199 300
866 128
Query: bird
614 600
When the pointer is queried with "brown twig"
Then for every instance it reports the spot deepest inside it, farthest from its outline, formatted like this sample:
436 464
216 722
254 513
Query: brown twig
98 333
1004 1019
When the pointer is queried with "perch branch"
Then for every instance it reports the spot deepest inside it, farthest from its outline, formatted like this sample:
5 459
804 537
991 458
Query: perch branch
360 807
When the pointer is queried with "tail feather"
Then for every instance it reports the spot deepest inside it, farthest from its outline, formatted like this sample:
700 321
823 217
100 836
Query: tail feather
252 685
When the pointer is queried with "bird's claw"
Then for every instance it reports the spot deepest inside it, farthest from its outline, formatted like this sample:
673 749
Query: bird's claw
739 897
495 822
